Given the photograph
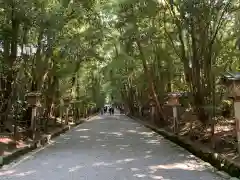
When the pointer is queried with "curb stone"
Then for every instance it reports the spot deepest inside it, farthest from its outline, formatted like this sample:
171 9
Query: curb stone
39 143
7 159
221 164
223 174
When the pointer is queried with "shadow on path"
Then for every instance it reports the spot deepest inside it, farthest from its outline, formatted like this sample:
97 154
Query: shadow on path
111 148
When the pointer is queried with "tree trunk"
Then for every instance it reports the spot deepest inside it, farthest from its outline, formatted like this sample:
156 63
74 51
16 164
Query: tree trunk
150 81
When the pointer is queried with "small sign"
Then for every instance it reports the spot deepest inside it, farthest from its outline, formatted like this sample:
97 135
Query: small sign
1 160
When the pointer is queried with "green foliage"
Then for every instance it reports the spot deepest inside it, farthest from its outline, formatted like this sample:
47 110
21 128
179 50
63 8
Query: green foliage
95 49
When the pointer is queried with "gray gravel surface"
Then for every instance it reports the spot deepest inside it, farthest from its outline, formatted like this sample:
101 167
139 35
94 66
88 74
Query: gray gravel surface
110 148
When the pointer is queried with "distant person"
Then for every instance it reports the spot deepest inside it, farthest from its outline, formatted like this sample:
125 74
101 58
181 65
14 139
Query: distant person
110 110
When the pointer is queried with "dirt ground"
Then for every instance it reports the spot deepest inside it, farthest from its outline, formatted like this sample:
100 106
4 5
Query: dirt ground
9 145
224 140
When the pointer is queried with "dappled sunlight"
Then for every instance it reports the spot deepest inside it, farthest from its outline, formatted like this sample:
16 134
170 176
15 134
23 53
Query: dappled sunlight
148 156
131 131
148 134
148 152
102 164
135 169
45 163
96 118
84 137
123 145
154 141
97 148
67 138
140 175
189 165
60 166
125 160
8 172
112 133
82 130
121 161
25 173
72 169
119 169
158 177
115 133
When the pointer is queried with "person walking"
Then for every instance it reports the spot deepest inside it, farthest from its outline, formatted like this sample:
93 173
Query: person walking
113 110
110 110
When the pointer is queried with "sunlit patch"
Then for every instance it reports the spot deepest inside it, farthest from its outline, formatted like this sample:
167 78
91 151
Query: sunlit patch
6 173
103 145
75 168
157 177
119 169
60 166
25 173
132 131
81 130
102 164
149 134
140 175
84 137
123 145
125 160
147 156
148 152
116 133
191 166
135 169
96 118
153 141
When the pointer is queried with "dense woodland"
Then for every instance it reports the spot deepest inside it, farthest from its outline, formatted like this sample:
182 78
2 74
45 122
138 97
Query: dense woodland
123 52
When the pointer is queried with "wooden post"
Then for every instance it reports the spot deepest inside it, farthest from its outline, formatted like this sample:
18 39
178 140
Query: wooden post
86 112
61 114
33 100
66 116
66 104
152 109
153 114
237 118
140 111
175 119
173 101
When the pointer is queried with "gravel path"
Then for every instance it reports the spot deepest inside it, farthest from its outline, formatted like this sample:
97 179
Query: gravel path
109 148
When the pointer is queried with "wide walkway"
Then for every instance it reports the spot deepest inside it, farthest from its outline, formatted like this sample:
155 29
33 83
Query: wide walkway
109 148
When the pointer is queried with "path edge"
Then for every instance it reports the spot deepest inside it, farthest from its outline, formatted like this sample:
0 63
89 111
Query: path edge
216 160
45 140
